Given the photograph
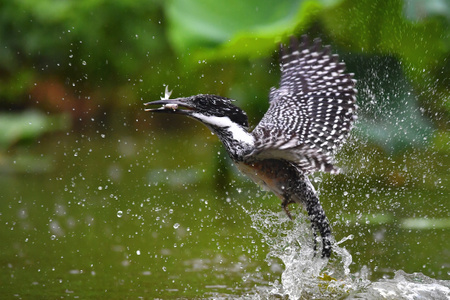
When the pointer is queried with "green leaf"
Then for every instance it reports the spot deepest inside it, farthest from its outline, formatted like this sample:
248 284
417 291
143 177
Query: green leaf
417 10
394 28
389 113
15 127
425 223
211 29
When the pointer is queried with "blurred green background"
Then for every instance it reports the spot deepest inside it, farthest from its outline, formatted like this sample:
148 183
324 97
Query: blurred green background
74 76
64 62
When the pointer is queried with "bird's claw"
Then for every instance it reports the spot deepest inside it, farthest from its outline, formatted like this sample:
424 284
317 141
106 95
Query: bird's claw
284 205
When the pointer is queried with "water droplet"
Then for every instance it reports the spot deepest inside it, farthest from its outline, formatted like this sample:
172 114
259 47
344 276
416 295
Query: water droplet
176 225
119 214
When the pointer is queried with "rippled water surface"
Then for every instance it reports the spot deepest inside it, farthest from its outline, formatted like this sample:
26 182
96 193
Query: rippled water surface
94 215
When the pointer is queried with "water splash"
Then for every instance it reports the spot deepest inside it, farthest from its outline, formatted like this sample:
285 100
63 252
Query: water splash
306 274
406 286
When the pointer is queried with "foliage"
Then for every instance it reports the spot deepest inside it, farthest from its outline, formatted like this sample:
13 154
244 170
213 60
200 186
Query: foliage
389 113
86 44
213 29
87 57
25 126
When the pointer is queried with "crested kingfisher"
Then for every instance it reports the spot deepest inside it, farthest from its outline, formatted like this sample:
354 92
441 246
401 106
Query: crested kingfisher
309 117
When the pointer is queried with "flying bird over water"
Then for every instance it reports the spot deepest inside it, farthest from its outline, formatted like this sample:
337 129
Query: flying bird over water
309 118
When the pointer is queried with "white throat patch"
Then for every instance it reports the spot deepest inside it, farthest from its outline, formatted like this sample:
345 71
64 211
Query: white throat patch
238 133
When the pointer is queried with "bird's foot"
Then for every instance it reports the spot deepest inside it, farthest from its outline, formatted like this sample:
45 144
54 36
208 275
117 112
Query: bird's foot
284 205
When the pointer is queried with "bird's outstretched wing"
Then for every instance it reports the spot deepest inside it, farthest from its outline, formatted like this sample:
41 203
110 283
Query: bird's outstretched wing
312 112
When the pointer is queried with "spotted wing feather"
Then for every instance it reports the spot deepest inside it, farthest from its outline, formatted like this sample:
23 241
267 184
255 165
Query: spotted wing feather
312 112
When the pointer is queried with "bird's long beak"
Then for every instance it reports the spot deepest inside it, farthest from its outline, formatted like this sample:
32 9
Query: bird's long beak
170 106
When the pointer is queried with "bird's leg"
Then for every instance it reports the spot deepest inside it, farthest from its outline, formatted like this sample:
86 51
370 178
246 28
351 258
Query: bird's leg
285 205
319 222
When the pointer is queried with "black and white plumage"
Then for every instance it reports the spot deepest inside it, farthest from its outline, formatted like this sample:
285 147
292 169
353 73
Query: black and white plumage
312 111
309 117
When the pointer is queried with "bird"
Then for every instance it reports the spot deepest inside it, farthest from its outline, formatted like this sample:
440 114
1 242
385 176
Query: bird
309 118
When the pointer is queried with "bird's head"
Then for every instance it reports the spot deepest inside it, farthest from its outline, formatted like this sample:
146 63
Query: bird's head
212 110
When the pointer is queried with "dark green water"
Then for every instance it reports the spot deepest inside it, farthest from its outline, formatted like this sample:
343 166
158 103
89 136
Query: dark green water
115 215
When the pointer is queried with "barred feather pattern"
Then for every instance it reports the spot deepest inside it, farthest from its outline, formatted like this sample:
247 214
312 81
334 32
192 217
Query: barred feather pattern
313 110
